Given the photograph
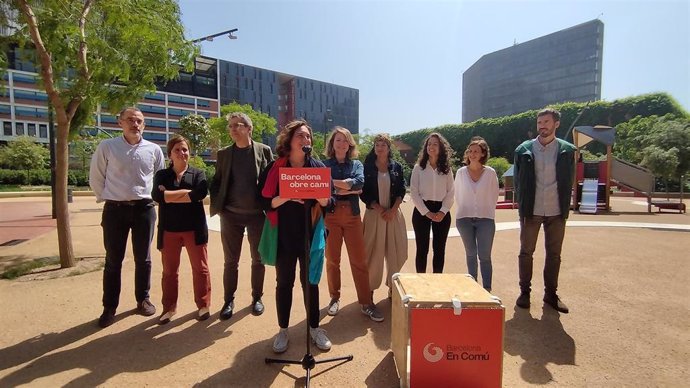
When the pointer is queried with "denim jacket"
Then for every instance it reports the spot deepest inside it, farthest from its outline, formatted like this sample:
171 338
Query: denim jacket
351 171
370 191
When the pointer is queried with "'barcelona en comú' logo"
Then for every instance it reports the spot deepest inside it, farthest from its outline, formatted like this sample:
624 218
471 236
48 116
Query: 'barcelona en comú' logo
433 353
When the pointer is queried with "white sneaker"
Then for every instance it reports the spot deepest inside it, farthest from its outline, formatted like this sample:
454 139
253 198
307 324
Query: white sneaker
319 337
165 318
333 307
280 344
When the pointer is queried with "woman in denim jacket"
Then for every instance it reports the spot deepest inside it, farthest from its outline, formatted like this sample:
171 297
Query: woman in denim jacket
385 232
345 223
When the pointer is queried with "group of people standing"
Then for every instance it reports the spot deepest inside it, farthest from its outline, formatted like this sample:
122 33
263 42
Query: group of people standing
128 174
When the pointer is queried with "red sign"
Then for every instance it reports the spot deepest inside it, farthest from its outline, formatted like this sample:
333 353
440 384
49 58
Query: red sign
448 350
304 183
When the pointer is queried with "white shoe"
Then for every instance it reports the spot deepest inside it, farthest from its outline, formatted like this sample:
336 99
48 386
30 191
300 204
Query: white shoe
319 337
203 314
280 344
333 307
166 317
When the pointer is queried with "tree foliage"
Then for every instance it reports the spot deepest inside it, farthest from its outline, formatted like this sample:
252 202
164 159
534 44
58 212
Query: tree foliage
83 145
24 154
505 133
195 129
501 165
643 140
89 52
263 125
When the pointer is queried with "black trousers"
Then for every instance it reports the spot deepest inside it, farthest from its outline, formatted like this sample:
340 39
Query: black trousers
286 264
422 226
117 220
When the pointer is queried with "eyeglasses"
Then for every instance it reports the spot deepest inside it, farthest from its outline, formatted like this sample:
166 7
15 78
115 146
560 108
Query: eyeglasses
237 125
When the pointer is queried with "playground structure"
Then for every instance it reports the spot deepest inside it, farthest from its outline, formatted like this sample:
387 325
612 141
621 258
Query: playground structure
593 179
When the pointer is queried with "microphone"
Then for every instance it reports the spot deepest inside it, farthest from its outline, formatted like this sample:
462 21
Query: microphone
307 150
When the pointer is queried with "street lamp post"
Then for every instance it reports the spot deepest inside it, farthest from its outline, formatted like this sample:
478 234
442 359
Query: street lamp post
209 38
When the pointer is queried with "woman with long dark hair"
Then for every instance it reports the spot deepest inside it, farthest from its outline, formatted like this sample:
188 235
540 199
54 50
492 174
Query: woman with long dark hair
288 216
180 190
476 194
385 233
431 189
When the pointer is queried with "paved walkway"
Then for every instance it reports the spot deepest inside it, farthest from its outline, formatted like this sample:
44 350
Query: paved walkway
626 288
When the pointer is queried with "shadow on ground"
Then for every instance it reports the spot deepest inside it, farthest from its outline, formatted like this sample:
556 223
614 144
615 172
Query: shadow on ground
128 351
539 342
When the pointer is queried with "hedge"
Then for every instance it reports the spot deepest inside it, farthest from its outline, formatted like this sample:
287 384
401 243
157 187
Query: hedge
40 177
505 133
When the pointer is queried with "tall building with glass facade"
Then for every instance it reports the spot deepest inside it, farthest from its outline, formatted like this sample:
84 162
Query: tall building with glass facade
559 67
214 82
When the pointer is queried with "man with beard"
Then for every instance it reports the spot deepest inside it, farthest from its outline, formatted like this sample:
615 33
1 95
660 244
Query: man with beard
544 172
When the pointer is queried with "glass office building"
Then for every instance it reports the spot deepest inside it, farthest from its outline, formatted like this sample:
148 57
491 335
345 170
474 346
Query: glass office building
559 67
214 82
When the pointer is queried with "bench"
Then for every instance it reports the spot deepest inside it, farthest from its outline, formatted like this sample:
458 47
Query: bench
680 206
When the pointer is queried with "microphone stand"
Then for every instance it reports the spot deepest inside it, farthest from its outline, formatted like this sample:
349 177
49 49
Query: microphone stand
308 361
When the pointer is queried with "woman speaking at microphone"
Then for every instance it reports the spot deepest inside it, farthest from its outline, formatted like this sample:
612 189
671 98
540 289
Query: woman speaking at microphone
288 217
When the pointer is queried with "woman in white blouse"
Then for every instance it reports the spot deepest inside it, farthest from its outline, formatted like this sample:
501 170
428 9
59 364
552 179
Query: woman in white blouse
431 189
476 194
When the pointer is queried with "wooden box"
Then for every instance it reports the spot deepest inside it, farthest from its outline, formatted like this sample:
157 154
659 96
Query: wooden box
446 331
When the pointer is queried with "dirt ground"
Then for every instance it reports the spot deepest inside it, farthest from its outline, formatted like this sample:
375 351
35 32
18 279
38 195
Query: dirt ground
627 288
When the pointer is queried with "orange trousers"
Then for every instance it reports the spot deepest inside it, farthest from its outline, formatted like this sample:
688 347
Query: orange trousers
343 225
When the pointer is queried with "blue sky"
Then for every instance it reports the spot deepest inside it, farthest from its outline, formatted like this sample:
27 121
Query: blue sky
407 57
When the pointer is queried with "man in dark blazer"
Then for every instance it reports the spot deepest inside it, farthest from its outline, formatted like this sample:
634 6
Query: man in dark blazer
234 194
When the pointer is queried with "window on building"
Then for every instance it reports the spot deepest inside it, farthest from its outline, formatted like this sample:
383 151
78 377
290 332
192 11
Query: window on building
31 129
19 129
30 95
31 112
43 131
7 128
5 109
181 100
25 78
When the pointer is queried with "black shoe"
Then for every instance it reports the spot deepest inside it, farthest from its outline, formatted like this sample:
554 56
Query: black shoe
523 300
226 311
146 308
257 307
554 301
107 318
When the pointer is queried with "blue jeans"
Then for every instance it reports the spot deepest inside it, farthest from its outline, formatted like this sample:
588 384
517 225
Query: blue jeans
478 237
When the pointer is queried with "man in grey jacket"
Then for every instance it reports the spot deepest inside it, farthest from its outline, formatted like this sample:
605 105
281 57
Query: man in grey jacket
544 173
234 194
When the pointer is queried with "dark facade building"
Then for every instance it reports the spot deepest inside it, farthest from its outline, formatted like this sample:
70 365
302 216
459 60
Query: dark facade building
559 67
214 82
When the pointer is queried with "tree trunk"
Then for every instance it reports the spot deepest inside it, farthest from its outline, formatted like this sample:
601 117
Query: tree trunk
67 259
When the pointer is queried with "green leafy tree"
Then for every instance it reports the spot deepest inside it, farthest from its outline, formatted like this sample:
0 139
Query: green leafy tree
82 49
263 125
661 162
83 146
501 165
24 154
195 128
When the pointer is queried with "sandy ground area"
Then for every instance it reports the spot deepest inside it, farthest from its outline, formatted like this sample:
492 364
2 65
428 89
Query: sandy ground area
627 288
